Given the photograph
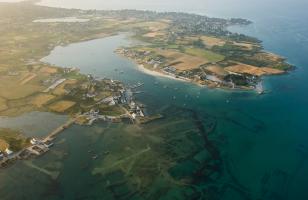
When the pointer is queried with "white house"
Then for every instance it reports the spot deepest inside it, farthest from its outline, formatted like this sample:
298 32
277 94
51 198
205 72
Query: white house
8 152
33 141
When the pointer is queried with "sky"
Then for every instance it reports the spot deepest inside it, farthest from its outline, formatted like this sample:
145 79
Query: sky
210 7
10 0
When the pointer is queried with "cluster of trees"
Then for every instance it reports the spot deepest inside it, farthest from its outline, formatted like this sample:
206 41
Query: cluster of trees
238 79
198 43
243 38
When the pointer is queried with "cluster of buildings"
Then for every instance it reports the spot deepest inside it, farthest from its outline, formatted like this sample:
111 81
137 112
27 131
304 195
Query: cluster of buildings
38 147
52 79
5 157
231 80
143 57
135 110
58 79
68 70
53 82
156 61
124 98
199 25
6 154
180 22
119 95
93 115
92 92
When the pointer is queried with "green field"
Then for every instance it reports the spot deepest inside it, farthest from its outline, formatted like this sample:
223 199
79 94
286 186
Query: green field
209 55
12 139
172 46
111 110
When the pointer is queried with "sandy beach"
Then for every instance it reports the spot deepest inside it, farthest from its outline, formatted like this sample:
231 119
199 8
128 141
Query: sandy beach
158 74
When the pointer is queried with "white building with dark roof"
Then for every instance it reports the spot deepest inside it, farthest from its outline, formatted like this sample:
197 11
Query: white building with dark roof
8 151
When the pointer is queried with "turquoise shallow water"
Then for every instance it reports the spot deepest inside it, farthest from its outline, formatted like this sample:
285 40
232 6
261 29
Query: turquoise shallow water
258 148
264 134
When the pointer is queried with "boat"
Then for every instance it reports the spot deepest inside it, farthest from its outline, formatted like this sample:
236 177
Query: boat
259 88
137 85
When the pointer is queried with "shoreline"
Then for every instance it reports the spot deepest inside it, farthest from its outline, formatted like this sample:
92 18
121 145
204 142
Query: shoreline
157 74
154 73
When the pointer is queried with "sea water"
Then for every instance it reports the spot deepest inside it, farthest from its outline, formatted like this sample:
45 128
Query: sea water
256 150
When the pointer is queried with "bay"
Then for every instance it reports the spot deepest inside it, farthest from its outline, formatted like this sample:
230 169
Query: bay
262 140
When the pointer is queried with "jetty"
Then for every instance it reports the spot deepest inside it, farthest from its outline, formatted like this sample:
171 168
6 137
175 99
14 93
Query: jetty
38 147
52 135
136 85
259 88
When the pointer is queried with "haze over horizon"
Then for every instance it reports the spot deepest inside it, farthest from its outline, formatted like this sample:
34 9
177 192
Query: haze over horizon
227 8
132 104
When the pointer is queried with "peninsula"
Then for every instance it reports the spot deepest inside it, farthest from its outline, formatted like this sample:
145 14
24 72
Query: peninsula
184 46
201 50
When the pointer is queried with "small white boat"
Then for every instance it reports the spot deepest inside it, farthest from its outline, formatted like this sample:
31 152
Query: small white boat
259 88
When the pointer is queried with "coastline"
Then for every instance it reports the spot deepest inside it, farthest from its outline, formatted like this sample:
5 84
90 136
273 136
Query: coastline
211 142
141 68
157 74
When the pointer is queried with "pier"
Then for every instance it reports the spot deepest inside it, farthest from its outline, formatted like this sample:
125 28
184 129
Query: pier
136 86
52 135
37 149
40 146
259 88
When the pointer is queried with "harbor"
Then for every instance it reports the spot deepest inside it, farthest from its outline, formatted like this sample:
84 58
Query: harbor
97 154
38 147
131 111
